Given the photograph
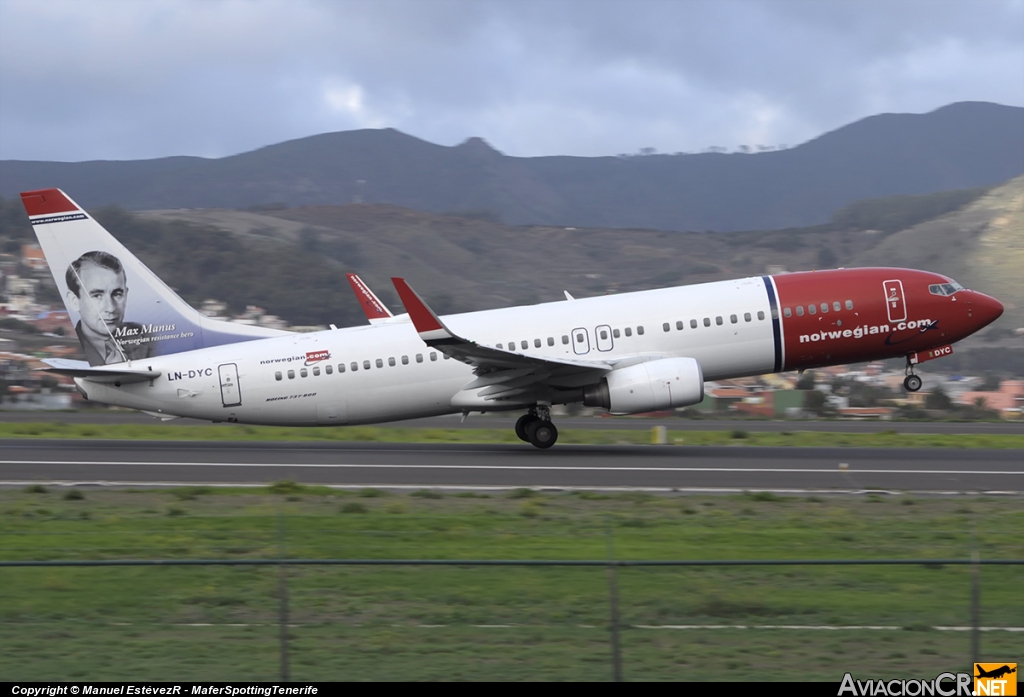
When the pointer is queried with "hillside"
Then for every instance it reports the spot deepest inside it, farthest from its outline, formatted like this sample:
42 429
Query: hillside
963 145
980 245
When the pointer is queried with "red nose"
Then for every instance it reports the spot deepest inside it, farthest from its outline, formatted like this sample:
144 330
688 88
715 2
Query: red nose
985 309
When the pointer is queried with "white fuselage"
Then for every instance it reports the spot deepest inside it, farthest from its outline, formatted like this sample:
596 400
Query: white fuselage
285 380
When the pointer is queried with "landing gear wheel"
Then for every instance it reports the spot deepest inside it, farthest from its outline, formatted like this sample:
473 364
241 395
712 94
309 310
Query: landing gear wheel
542 433
523 425
912 383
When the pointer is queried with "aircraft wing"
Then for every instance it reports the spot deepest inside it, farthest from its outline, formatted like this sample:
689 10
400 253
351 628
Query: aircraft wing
501 375
99 373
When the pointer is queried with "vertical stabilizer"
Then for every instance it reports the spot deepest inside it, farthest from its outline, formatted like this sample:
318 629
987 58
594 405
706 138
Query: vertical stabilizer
121 310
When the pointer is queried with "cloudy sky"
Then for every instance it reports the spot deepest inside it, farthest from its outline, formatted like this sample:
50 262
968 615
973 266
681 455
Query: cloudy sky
125 79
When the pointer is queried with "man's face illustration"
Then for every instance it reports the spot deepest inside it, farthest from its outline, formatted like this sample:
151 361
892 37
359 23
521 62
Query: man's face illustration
103 296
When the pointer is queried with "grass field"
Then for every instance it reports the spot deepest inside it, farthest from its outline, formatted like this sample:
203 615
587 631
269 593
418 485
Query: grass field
797 438
497 623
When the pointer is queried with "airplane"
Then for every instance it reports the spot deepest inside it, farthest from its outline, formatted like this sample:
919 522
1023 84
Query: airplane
630 353
994 673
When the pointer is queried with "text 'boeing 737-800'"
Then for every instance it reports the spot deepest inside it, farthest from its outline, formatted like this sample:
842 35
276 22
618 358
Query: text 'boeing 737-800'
147 349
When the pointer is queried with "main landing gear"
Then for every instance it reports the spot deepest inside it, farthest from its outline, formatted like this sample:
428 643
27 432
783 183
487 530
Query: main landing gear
535 427
912 382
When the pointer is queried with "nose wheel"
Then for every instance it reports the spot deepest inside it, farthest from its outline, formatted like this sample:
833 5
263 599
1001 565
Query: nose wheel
536 428
912 382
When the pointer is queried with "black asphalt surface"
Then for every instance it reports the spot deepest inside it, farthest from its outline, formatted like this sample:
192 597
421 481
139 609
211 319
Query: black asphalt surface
596 423
727 468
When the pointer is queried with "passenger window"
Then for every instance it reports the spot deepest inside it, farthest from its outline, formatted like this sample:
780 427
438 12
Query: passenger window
824 308
291 374
536 343
775 313
679 325
391 362
813 309
565 338
604 334
629 332
405 360
746 316
718 320
316 371
707 321
524 344
501 346
640 331
341 368
446 356
665 326
419 357
800 310
732 318
366 365
579 338
760 314
835 306
787 312
277 375
379 362
849 304
615 333
304 373
693 324
551 341
354 366
329 369
433 356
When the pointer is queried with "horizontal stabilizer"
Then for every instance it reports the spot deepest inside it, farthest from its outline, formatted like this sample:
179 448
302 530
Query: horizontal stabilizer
81 369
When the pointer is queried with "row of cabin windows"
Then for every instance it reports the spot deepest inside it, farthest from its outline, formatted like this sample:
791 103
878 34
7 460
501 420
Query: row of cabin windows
813 309
354 366
537 343
719 320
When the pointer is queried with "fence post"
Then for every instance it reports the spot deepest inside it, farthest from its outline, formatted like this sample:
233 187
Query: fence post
613 601
975 598
282 592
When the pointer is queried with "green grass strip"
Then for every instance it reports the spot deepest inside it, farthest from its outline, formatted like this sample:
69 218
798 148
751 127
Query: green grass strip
885 438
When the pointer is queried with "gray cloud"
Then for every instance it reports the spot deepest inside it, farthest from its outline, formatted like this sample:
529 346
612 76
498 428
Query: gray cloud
113 79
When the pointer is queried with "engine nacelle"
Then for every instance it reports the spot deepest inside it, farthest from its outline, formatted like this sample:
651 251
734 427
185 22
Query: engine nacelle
653 386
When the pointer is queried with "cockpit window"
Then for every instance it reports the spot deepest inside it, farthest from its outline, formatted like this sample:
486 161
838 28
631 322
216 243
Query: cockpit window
945 288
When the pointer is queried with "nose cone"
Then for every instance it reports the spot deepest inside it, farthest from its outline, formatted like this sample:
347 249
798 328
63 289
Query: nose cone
986 309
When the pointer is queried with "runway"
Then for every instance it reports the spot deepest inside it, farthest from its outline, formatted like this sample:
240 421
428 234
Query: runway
459 466
507 421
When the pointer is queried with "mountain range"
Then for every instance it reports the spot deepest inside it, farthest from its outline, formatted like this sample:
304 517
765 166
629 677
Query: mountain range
962 145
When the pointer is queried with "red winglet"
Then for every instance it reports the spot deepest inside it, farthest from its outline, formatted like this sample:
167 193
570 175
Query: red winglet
47 202
423 318
371 305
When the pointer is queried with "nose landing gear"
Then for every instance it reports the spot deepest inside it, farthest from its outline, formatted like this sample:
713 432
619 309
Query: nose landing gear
912 382
535 427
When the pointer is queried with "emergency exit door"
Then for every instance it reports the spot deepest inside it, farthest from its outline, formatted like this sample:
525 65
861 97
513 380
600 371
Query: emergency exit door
230 393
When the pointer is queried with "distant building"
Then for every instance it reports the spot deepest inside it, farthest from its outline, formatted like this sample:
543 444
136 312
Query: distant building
32 257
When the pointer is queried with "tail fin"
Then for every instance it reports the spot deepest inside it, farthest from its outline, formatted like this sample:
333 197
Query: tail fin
121 310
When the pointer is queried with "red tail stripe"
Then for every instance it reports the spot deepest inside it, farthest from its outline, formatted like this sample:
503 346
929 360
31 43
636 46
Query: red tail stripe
46 202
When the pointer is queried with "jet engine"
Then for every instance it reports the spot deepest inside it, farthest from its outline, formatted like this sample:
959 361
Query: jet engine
662 384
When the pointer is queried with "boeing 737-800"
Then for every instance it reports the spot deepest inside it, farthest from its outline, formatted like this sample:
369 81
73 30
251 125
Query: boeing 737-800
631 353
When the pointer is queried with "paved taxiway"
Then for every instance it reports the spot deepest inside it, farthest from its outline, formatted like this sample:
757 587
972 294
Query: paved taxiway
727 468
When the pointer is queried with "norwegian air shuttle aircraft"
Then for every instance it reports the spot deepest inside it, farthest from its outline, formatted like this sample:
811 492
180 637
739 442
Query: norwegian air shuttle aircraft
631 353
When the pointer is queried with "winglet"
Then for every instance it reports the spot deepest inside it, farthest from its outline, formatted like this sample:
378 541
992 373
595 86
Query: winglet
370 303
431 329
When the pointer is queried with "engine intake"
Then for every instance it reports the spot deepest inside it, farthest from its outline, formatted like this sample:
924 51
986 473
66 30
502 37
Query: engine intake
666 383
